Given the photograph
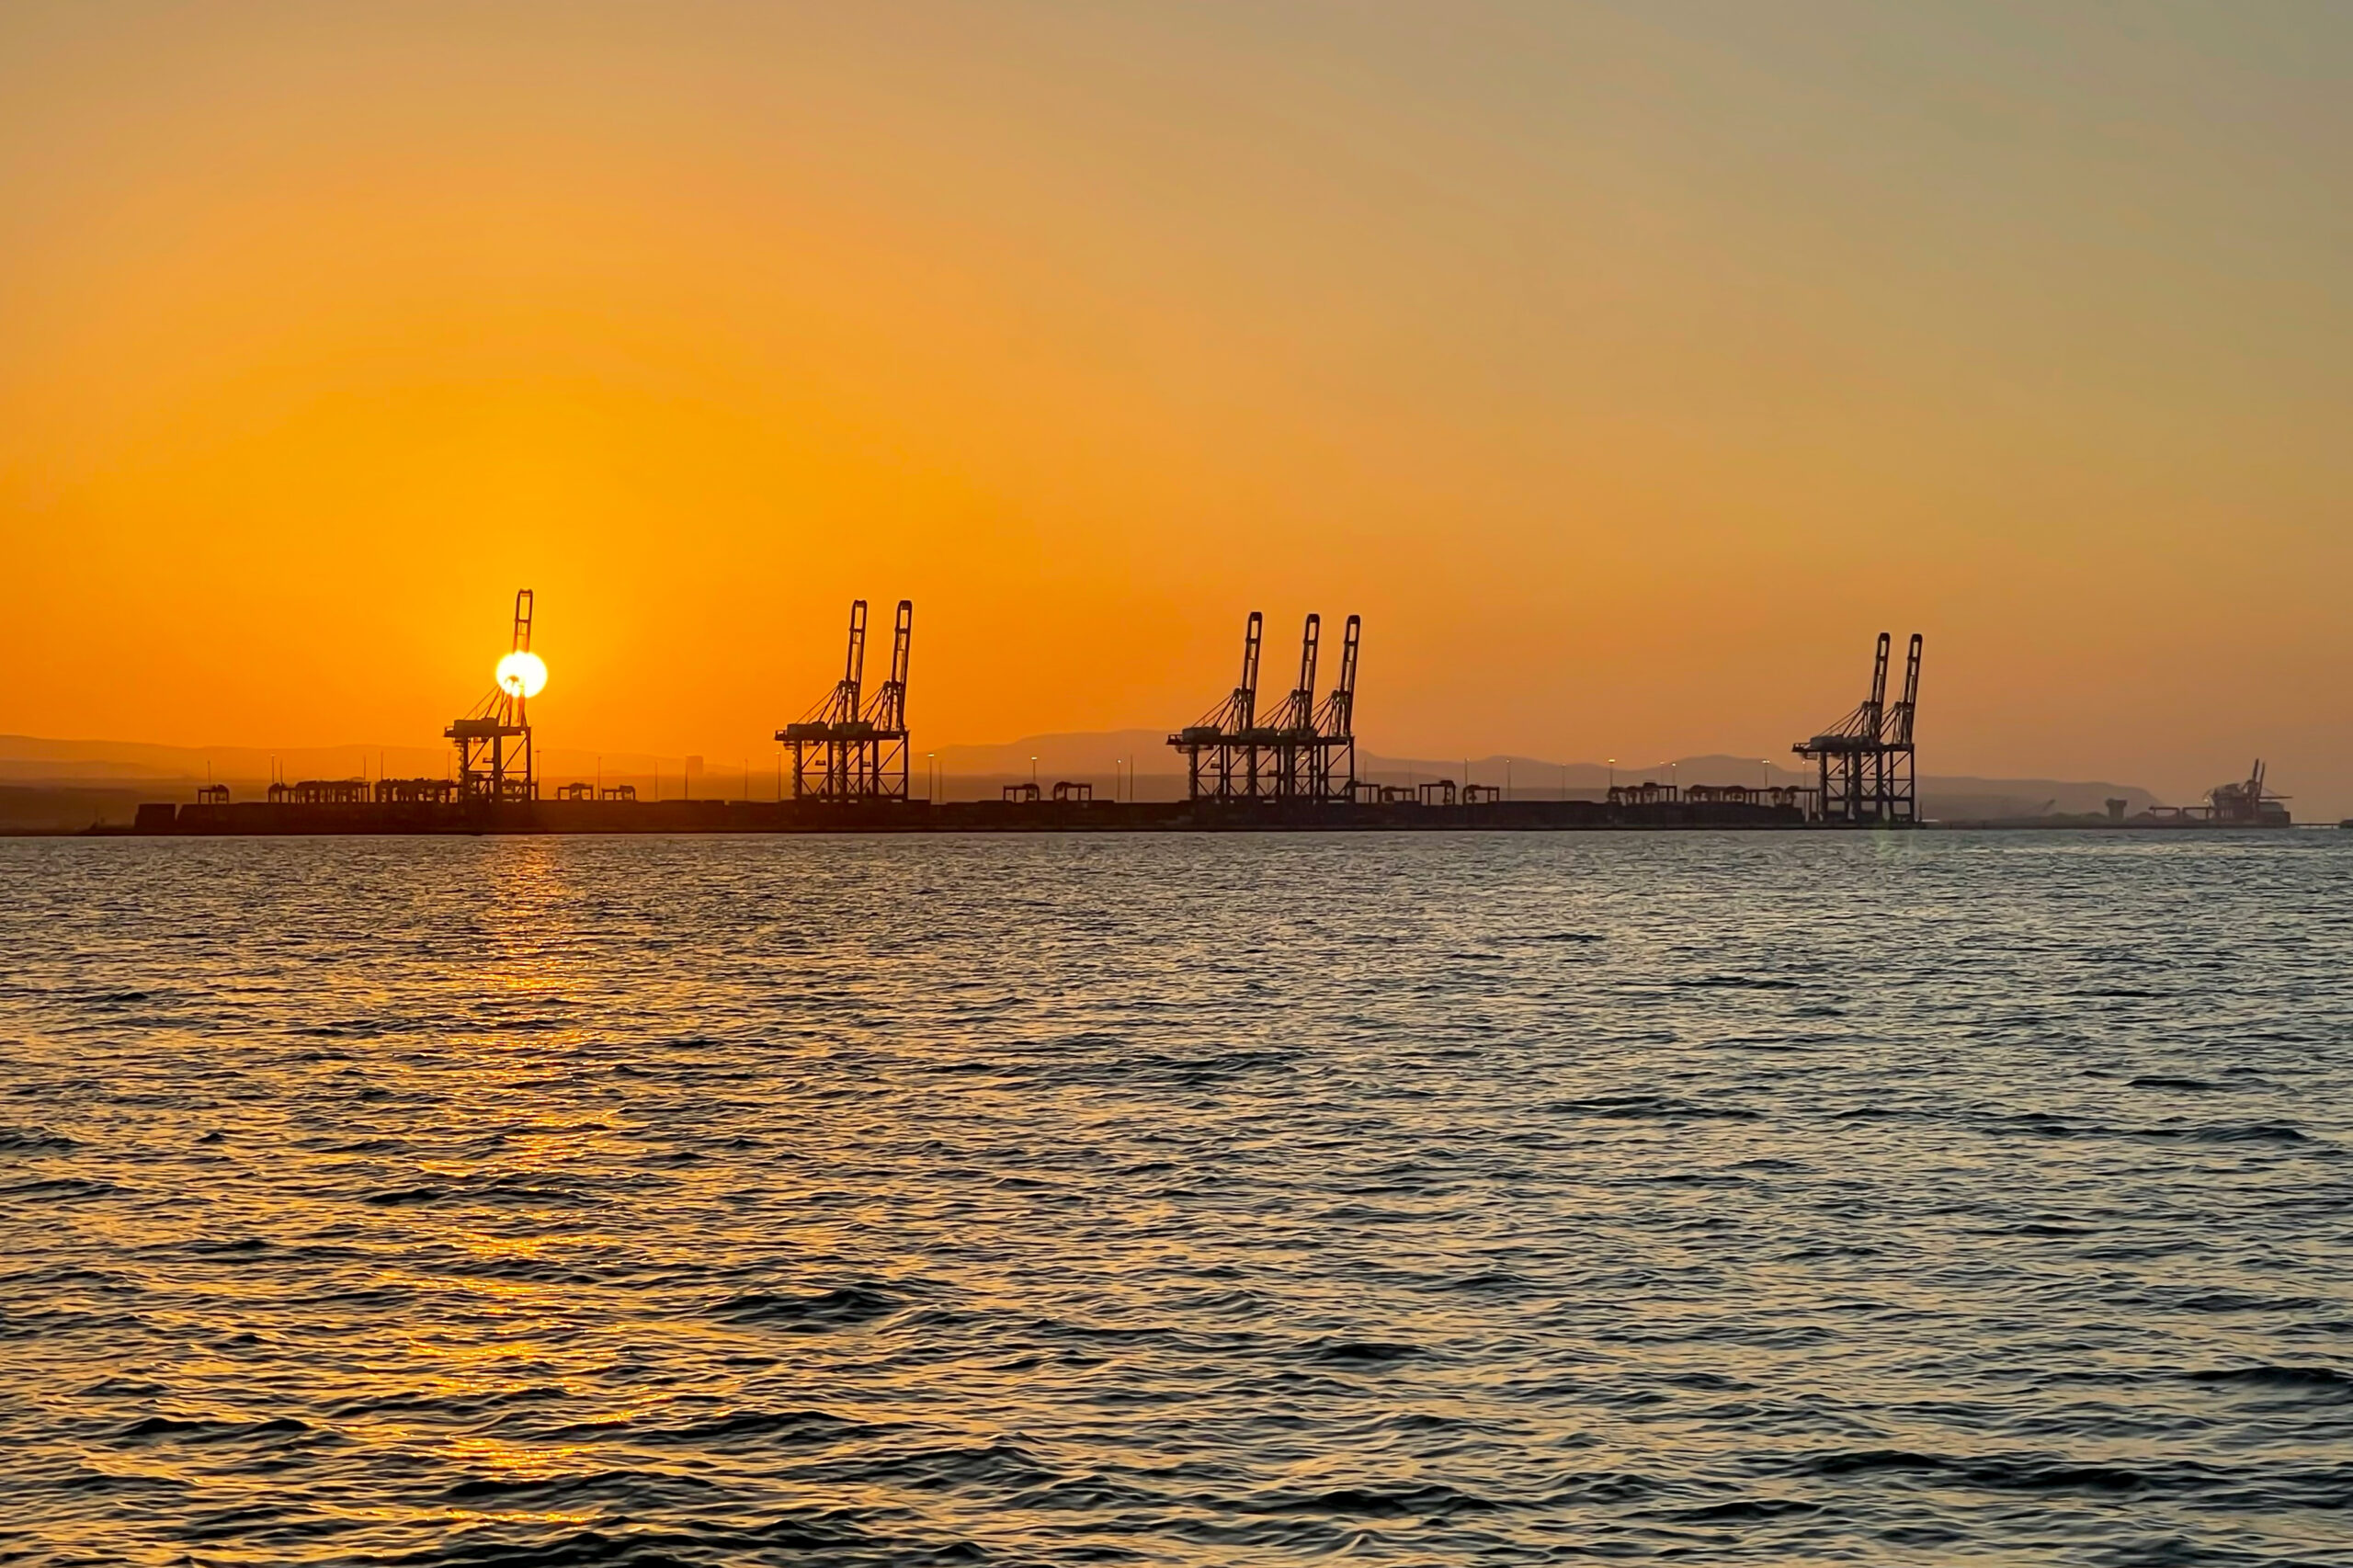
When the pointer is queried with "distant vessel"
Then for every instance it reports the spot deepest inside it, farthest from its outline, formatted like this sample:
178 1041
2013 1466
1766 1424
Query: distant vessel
2246 804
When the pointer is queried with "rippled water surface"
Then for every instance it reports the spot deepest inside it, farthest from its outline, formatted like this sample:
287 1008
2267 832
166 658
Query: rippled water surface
1419 1199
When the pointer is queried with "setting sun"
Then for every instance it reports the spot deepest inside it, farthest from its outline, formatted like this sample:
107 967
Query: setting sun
522 674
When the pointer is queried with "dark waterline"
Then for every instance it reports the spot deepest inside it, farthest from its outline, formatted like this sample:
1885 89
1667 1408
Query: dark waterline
1469 1198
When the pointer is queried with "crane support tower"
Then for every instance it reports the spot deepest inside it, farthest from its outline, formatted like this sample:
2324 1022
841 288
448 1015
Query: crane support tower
846 749
1864 763
1334 775
490 771
1291 727
1299 752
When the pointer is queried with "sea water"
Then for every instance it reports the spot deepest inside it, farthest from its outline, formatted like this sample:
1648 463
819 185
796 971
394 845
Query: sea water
1461 1198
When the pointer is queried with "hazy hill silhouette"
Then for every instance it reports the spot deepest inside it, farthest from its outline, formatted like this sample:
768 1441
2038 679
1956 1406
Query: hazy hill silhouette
52 783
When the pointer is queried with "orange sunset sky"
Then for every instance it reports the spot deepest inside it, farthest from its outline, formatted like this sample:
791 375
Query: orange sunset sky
1628 367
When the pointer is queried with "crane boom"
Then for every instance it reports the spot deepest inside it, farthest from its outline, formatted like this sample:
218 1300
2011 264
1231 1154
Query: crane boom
1339 709
1246 695
854 666
888 711
1307 651
1900 727
1878 686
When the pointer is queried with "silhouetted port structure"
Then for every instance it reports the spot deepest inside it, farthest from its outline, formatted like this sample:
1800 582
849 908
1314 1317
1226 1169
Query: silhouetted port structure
1301 752
1292 766
1864 762
2248 804
488 770
846 750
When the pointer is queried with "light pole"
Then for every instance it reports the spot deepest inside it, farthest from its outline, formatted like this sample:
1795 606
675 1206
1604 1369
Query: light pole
1613 773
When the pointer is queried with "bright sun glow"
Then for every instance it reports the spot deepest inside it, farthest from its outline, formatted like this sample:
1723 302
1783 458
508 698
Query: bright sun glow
522 674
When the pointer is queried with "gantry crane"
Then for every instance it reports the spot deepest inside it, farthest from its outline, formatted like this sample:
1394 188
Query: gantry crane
488 771
885 753
1865 762
1291 727
1221 734
843 751
1334 754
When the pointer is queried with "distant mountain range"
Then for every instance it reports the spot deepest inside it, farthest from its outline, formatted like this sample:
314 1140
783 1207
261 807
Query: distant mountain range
54 783
1106 754
32 759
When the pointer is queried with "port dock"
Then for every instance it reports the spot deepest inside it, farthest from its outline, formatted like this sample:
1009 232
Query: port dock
290 817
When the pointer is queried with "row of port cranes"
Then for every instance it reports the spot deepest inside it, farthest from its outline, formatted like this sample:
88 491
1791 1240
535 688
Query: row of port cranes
848 749
1303 751
852 746
1864 763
